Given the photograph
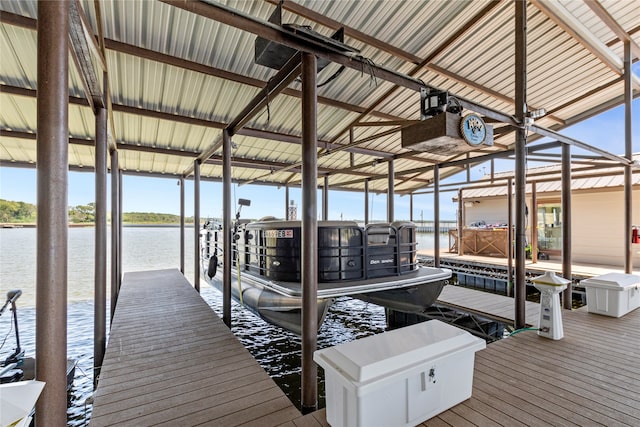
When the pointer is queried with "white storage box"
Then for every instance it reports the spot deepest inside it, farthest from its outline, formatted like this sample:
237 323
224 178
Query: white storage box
398 378
612 294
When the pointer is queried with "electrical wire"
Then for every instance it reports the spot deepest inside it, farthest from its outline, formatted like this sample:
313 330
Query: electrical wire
333 76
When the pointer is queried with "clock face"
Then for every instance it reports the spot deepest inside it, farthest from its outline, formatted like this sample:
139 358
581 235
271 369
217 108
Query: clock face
473 129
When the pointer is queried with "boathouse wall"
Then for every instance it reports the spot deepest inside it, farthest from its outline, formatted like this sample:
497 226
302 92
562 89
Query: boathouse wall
597 222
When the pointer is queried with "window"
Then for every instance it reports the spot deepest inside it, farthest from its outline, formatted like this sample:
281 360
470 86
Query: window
549 226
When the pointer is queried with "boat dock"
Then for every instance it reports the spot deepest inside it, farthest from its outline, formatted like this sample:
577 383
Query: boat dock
478 263
171 360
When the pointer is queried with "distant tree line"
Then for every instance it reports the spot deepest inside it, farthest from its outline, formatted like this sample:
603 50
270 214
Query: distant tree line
17 211
21 212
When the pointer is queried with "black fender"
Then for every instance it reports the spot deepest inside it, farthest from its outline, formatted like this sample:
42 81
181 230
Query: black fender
213 266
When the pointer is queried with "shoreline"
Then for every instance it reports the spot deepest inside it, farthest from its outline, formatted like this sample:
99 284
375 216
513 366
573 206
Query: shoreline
10 225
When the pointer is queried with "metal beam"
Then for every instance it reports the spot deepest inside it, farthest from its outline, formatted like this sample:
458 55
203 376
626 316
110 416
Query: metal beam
235 18
182 215
81 50
100 246
226 228
227 75
287 74
366 201
574 27
115 200
460 221
52 184
613 25
348 31
325 199
510 287
628 152
534 222
309 234
196 224
566 225
520 163
436 216
120 210
390 192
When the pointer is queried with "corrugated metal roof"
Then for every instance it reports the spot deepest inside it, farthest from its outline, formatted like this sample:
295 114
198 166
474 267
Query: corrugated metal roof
548 180
477 66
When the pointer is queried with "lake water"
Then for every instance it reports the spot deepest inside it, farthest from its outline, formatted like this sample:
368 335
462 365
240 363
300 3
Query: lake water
149 248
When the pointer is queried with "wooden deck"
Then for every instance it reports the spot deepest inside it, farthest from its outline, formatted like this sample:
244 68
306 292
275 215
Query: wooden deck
589 378
171 361
493 306
582 270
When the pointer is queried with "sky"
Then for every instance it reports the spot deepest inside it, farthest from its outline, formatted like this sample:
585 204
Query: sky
162 195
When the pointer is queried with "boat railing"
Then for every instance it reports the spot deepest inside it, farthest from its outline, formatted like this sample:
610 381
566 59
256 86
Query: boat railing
345 251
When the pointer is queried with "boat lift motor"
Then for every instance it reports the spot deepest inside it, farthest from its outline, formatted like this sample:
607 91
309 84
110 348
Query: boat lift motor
550 286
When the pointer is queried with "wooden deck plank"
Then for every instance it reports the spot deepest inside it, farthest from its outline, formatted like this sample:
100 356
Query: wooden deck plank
487 304
171 360
566 382
590 377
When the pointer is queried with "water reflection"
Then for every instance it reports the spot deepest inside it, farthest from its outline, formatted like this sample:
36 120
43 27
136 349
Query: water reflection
279 351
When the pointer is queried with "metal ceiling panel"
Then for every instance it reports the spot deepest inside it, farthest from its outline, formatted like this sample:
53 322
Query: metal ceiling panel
478 66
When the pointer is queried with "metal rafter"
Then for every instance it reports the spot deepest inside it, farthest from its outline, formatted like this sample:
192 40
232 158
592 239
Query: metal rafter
613 25
82 48
565 20
140 52
247 131
213 160
348 31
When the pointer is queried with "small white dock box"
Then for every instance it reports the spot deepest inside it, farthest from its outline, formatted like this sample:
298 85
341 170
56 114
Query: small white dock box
612 294
398 378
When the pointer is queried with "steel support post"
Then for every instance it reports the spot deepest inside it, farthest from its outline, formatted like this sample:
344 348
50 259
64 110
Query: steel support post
100 248
566 223
628 153
411 207
390 192
366 202
520 154
182 215
460 222
120 208
436 216
115 200
196 224
309 234
325 199
286 202
534 223
52 183
510 237
226 227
